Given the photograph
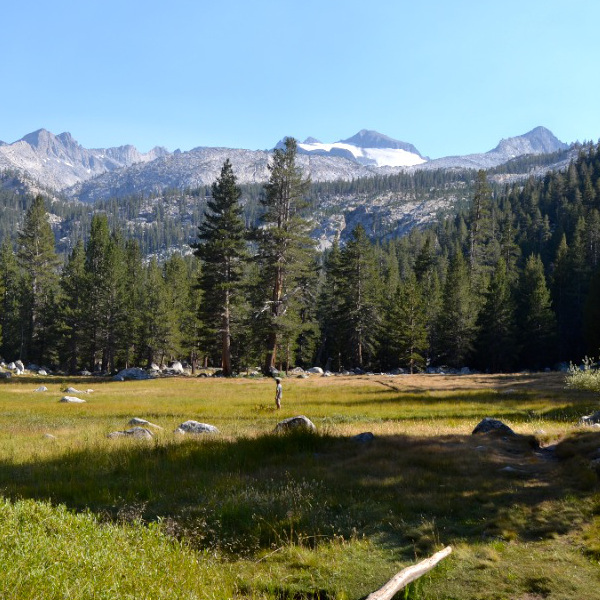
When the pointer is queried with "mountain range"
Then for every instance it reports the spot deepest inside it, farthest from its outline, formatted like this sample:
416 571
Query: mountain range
60 163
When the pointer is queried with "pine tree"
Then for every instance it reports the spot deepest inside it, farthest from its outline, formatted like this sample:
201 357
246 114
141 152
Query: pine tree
408 324
457 321
535 319
73 308
10 298
360 307
105 267
591 317
284 249
221 247
39 263
496 344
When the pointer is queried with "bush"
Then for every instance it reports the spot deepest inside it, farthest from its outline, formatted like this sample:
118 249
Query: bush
586 377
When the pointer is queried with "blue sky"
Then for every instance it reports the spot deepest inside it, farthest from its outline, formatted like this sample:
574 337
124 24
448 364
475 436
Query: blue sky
450 77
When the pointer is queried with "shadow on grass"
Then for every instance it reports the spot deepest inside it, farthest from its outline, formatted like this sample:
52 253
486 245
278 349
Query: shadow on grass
251 494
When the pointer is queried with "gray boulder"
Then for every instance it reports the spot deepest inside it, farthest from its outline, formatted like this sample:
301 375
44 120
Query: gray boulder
5 374
72 400
131 373
42 388
43 372
136 432
19 365
316 370
299 422
195 427
177 368
363 438
590 419
488 424
11 366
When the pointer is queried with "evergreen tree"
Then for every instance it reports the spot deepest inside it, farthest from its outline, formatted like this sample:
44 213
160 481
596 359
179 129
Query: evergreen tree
104 265
535 319
10 298
73 308
39 264
221 248
360 307
457 321
591 317
408 324
496 344
284 250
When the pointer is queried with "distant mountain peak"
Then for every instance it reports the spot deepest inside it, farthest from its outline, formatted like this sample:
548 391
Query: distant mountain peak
368 138
539 140
311 140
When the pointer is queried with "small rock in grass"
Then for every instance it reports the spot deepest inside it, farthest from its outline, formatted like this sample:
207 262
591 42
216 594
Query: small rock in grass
299 422
49 436
363 438
72 400
137 421
592 419
135 432
486 425
196 428
42 388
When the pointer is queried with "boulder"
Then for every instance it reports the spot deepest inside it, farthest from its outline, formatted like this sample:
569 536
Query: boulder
590 419
72 400
42 388
11 366
137 421
316 370
177 367
43 372
85 373
154 367
136 432
196 428
299 422
5 375
19 365
72 390
488 424
131 373
49 436
363 438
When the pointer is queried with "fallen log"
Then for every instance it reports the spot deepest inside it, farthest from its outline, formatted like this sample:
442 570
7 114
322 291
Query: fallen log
408 575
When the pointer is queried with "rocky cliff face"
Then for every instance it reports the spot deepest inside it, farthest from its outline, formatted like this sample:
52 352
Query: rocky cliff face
59 161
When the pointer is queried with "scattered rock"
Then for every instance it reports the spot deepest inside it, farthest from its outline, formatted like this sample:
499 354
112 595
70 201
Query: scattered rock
488 424
43 372
363 438
11 366
509 469
131 373
315 370
327 374
298 422
72 400
177 367
19 365
72 390
49 436
135 432
137 421
42 388
5 375
590 419
196 428
85 373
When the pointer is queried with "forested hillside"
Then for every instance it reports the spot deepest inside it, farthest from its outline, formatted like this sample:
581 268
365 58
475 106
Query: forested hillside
512 281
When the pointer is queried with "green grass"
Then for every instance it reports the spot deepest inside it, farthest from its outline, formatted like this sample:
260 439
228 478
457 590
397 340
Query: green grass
251 514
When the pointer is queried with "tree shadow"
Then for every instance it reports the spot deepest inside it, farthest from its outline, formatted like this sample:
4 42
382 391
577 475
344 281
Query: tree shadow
241 496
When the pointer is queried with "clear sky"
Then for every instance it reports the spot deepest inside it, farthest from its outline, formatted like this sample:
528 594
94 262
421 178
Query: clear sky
449 76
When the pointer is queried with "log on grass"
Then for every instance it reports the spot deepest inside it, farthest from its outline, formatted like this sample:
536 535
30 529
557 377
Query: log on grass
408 575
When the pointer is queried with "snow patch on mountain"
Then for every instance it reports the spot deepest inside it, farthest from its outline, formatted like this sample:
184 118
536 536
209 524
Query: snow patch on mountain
378 157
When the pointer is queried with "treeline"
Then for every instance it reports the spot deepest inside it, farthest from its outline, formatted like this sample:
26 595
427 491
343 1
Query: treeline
511 282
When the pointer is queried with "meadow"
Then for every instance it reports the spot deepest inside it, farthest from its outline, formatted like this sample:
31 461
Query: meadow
248 513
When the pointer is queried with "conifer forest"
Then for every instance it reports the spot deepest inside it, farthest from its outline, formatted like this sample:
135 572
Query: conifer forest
509 281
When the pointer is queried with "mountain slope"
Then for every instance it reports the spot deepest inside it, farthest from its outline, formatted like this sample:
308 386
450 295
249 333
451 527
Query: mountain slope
59 161
537 141
368 148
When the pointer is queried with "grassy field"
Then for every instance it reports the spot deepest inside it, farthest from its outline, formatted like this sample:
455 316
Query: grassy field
250 514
